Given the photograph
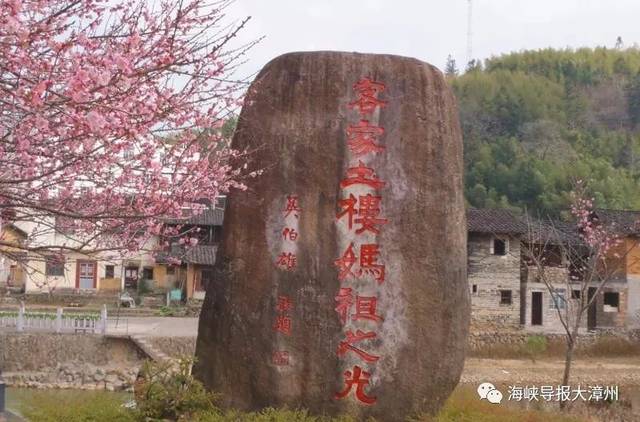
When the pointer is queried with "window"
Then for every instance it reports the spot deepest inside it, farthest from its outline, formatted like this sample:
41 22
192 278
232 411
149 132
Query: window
505 297
474 288
575 294
557 299
147 273
54 266
499 246
221 202
109 271
171 270
128 153
611 301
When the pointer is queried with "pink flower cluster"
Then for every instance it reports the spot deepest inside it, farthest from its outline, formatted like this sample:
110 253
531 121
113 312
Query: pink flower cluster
106 112
596 235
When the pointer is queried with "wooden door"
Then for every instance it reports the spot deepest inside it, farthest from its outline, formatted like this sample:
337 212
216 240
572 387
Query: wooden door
205 279
131 277
536 308
86 275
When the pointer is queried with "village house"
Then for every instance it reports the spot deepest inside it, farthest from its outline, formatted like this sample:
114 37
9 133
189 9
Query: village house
507 293
147 270
616 306
70 271
196 268
11 257
174 266
493 248
549 241
619 305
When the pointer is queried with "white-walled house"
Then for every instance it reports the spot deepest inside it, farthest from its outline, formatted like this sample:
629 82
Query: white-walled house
70 270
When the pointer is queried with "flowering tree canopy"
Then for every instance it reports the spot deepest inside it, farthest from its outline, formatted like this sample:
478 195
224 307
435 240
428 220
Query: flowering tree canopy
108 115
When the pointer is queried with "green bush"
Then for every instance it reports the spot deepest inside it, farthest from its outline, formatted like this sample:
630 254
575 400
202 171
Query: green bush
167 311
535 346
169 391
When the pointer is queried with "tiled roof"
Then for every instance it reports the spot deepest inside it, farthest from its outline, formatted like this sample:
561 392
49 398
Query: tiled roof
208 217
623 222
498 221
199 254
202 254
553 231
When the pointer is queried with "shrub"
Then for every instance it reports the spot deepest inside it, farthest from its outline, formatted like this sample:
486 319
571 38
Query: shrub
169 391
534 347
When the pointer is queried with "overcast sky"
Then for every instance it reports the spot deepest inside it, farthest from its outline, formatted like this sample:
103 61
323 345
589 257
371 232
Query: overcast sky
430 30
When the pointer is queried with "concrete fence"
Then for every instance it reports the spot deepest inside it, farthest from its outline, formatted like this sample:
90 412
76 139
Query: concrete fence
60 322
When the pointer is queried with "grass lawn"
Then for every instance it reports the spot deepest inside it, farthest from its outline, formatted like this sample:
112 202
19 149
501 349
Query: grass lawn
465 406
81 406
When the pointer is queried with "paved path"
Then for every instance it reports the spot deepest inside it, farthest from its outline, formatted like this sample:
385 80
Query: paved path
153 326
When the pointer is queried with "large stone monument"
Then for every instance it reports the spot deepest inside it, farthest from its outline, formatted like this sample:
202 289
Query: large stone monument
340 284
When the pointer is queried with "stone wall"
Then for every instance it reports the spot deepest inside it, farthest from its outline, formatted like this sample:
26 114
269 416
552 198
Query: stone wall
606 317
486 339
175 347
490 274
550 320
43 360
75 376
610 317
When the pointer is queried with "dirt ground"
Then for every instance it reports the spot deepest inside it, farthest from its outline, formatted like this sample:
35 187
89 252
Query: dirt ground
600 371
623 372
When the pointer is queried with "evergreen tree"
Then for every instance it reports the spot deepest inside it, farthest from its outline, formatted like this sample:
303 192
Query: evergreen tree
450 69
534 121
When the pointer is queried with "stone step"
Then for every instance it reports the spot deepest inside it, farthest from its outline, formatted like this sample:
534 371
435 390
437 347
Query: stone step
154 354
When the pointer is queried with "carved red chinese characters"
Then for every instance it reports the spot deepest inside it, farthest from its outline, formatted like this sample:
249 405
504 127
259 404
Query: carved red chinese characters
303 293
359 379
367 92
361 175
348 345
287 260
363 211
363 138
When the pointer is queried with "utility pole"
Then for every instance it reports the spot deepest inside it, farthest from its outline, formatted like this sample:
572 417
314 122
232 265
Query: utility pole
470 32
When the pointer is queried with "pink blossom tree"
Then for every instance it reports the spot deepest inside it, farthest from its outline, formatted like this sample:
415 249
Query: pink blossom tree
592 255
109 117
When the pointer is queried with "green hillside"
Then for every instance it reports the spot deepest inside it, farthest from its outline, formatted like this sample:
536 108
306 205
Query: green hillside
535 121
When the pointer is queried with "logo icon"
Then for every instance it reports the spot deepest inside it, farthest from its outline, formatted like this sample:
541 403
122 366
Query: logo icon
488 391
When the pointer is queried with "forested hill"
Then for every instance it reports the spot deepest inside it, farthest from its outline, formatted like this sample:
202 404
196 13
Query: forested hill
536 120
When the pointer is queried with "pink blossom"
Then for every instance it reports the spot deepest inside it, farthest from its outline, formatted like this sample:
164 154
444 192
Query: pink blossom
42 124
89 98
96 121
104 77
122 63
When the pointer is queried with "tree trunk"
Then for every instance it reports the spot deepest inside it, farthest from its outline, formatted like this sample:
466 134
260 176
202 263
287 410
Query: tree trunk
567 368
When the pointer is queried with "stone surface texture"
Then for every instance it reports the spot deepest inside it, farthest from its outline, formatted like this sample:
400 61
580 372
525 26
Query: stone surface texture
293 127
